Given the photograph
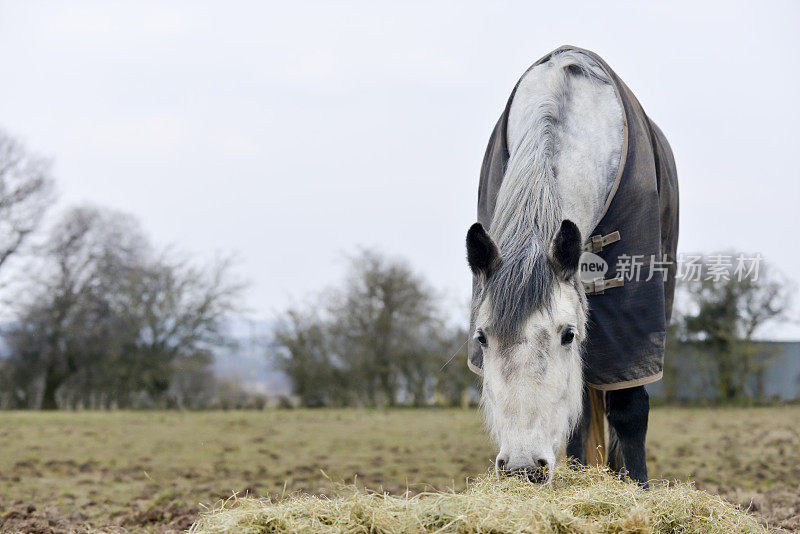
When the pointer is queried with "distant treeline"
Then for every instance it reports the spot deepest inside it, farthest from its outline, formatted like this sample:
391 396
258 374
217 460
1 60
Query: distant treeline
93 315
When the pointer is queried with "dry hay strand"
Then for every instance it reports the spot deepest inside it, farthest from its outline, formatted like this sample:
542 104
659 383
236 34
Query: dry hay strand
587 500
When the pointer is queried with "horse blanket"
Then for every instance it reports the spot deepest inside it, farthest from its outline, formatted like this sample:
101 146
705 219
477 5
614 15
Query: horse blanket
637 237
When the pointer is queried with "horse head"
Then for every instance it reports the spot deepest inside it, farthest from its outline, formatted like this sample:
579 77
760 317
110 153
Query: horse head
530 319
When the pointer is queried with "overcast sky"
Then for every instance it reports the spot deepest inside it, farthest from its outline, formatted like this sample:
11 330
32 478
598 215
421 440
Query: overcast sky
293 132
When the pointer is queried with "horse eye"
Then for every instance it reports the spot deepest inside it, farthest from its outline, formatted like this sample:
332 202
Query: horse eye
480 337
567 336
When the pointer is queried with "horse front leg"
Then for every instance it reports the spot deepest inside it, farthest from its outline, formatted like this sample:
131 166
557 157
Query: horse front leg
627 411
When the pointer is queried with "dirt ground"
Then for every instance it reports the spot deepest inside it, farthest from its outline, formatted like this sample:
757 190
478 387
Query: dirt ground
155 471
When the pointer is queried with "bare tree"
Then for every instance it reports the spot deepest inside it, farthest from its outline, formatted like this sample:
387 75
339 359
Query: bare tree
66 324
382 321
303 349
26 191
725 312
107 320
377 339
177 314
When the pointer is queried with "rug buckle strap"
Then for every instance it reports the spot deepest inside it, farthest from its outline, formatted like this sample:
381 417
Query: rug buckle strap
598 286
597 242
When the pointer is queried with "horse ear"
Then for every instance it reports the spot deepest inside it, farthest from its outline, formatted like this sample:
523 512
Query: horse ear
483 255
566 249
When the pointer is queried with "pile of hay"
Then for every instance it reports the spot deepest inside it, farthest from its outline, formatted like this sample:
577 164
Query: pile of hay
580 501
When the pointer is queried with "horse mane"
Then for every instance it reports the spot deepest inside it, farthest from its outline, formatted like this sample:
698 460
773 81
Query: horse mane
528 211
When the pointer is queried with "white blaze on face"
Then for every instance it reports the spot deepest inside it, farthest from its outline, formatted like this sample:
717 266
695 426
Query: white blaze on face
532 388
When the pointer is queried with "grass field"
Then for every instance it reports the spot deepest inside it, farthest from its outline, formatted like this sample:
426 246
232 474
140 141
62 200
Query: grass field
151 470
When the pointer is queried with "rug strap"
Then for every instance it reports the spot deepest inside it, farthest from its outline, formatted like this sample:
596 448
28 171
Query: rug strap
597 242
598 286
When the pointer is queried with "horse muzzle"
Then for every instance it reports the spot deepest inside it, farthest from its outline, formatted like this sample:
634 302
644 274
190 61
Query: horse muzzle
537 473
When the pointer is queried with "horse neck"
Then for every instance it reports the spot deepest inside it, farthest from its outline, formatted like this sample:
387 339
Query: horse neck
565 133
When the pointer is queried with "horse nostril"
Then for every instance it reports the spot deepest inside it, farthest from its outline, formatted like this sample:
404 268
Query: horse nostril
542 463
501 464
539 474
